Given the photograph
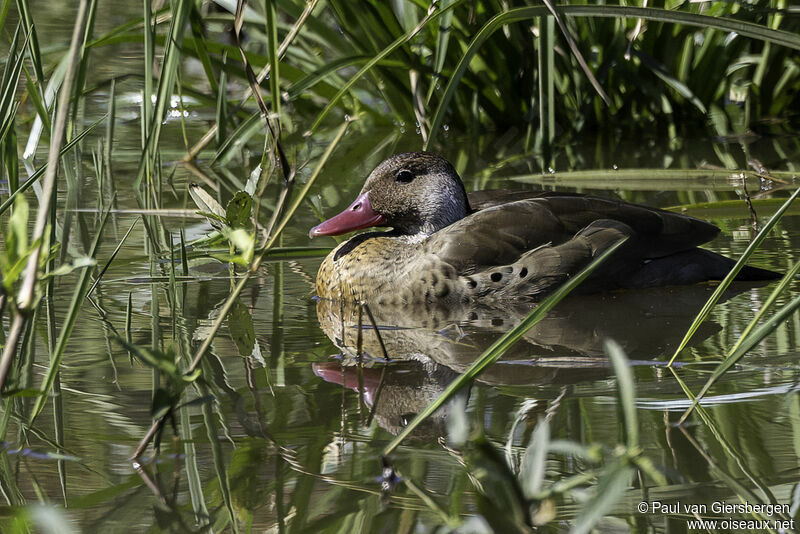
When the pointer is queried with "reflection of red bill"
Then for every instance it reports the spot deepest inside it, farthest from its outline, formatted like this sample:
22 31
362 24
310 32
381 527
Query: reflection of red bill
332 372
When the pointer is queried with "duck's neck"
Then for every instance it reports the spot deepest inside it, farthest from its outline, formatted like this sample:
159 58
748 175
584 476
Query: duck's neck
442 211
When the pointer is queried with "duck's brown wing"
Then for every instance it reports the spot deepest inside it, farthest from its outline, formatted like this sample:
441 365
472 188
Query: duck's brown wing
489 198
499 235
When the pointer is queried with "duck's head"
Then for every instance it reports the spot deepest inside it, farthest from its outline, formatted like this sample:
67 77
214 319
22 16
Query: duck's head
414 193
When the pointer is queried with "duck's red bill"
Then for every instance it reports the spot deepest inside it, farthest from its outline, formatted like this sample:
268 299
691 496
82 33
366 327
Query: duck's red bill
358 215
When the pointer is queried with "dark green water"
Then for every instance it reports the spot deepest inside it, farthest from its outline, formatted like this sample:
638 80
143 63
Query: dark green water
292 439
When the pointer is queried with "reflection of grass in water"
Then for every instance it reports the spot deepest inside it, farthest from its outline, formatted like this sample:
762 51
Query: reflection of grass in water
498 76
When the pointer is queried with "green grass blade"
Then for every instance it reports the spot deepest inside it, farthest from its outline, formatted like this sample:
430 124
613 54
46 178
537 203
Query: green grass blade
547 118
78 297
787 279
166 83
627 390
712 300
499 347
111 259
41 170
397 43
440 54
33 42
272 46
745 344
202 49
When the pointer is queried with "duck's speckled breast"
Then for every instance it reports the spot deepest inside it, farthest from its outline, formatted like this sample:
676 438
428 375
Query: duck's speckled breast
384 270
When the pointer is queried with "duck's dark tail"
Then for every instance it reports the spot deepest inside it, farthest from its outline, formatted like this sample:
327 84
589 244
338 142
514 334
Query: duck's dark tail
754 274
693 266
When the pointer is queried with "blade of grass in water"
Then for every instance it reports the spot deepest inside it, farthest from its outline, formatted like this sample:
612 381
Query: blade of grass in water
627 391
111 258
499 347
712 300
41 170
272 46
27 20
69 322
166 82
751 336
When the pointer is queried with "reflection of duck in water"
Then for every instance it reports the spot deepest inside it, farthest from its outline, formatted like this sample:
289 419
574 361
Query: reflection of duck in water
428 348
448 247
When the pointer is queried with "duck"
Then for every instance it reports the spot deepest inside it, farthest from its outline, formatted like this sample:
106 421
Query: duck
445 246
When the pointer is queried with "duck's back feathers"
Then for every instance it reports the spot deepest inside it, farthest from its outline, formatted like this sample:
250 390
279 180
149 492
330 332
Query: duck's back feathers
500 233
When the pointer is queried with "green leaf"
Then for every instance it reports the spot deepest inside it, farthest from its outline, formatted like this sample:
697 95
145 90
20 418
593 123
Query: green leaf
205 202
17 241
78 263
243 241
239 210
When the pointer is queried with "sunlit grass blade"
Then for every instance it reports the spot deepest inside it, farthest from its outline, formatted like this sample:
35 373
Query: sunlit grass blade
723 285
626 389
499 347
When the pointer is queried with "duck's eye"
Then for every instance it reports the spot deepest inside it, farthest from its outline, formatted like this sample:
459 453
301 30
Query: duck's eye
404 176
